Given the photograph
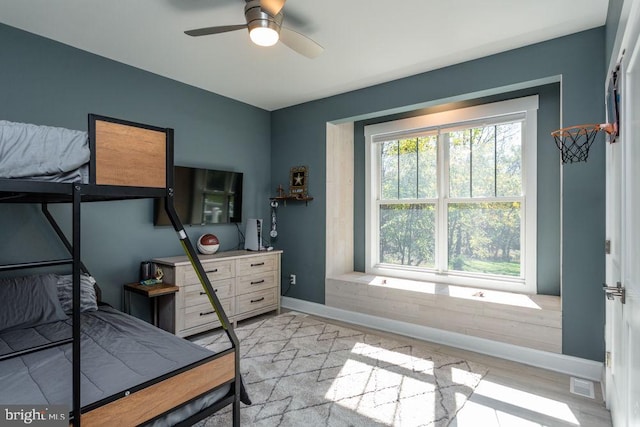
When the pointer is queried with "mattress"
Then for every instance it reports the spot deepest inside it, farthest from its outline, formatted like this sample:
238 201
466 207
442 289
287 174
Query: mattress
43 153
118 352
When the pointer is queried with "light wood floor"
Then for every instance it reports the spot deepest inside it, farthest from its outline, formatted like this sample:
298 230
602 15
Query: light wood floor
514 394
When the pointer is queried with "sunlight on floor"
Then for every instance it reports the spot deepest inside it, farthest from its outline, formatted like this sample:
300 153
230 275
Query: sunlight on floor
374 393
497 405
394 388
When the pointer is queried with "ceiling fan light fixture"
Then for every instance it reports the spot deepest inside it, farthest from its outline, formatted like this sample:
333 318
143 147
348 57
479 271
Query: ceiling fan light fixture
264 23
264 36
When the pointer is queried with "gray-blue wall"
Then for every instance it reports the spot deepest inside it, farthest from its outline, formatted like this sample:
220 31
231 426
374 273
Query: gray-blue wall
49 83
298 138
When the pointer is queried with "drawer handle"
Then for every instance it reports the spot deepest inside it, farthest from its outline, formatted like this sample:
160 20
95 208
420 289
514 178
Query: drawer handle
257 300
257 282
215 270
257 264
204 293
206 313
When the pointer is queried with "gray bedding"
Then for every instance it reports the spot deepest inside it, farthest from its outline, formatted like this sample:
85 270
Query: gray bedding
118 352
43 153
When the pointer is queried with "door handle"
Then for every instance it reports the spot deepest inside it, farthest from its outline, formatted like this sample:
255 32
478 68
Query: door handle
615 291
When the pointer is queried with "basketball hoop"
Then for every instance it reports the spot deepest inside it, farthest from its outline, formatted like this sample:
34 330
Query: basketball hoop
574 141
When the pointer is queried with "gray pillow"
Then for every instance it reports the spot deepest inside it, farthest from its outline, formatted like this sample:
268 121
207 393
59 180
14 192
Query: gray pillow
88 300
29 301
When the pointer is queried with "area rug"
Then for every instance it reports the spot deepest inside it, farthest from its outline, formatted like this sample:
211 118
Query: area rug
300 371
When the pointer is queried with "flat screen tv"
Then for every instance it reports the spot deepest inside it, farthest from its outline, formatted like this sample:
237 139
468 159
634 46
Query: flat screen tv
203 196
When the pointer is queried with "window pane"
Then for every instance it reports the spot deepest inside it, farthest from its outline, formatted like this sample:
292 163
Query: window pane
427 167
408 161
485 237
389 170
407 234
483 161
459 163
509 159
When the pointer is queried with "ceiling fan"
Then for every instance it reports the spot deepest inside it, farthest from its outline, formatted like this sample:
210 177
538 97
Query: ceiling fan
264 22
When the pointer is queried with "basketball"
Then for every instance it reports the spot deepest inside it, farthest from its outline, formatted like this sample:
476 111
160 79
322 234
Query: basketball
208 244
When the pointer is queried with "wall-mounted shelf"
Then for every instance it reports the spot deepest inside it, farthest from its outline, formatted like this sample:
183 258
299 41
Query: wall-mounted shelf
292 197
299 197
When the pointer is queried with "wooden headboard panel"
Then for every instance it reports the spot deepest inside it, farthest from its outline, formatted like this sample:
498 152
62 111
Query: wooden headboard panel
127 154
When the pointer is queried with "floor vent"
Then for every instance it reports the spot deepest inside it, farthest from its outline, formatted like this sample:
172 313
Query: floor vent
582 387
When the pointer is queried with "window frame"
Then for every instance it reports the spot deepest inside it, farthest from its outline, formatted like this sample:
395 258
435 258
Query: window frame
486 114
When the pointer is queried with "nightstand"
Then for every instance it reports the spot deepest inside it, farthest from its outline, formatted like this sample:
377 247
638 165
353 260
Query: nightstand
161 298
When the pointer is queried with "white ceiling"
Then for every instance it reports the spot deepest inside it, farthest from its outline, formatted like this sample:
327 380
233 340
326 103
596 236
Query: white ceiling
366 42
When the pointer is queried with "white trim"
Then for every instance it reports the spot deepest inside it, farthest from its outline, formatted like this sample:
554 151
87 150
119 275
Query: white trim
564 364
530 185
524 109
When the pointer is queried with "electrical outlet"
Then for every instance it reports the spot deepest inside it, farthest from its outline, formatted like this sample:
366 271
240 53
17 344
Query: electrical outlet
292 279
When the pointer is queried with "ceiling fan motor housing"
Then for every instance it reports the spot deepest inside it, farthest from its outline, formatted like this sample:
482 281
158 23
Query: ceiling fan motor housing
257 17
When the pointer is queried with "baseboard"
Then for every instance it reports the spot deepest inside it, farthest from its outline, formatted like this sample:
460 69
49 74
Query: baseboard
569 365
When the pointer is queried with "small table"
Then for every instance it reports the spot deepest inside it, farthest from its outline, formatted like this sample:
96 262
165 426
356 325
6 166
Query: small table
161 291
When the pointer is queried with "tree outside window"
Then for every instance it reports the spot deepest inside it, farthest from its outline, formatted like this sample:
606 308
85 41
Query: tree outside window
449 199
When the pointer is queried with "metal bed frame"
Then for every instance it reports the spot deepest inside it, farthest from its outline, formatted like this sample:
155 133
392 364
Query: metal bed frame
27 191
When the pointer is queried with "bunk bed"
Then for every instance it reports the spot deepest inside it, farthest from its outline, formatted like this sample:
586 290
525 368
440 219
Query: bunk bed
174 381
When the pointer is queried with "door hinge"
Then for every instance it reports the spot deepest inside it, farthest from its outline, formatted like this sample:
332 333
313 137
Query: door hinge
607 359
615 291
607 247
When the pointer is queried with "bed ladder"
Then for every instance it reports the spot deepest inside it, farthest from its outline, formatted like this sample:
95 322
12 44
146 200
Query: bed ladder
213 298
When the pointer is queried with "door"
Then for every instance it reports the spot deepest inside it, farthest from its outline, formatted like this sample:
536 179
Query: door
623 229
615 368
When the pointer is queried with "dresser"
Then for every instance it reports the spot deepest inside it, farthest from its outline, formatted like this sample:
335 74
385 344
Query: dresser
247 284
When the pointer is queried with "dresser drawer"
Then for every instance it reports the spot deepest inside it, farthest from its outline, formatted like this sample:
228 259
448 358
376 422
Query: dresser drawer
215 271
257 300
195 294
257 264
256 282
246 284
201 314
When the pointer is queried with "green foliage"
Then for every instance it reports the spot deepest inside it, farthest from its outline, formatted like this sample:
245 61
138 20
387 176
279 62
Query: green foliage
408 168
492 267
483 237
407 234
484 232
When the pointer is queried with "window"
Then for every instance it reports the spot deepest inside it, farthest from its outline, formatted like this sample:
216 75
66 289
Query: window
452 196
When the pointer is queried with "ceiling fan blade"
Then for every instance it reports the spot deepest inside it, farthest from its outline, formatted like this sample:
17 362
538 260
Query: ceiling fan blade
297 21
273 7
215 30
300 43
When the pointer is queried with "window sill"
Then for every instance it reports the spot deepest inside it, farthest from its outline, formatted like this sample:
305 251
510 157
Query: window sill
455 279
477 294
